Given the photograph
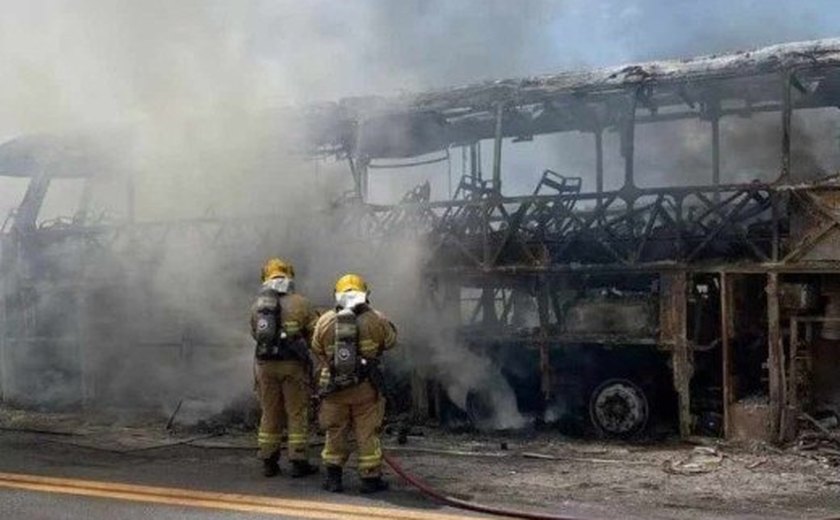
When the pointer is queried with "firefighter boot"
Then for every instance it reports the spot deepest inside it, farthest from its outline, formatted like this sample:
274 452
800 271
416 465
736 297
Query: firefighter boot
270 466
373 485
302 468
332 482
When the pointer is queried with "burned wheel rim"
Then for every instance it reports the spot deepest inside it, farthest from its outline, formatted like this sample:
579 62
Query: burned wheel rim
618 408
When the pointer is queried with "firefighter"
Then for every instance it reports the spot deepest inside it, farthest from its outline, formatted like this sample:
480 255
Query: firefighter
349 341
282 322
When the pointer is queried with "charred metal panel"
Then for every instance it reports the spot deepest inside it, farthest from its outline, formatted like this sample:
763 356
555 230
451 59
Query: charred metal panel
743 82
815 225
751 421
674 324
671 323
396 136
630 316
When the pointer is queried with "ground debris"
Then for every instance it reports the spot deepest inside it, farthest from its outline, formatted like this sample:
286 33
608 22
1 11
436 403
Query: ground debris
544 456
821 426
822 445
242 415
756 463
546 469
702 459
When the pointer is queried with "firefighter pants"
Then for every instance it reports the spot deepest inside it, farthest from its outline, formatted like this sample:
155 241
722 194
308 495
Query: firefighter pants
360 409
284 392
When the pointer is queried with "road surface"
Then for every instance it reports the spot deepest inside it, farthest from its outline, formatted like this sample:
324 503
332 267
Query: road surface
42 477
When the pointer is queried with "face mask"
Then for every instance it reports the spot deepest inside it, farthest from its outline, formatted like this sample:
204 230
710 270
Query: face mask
281 285
350 299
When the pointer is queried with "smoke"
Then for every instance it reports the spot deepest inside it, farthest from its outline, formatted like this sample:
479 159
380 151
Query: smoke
186 94
430 346
177 68
146 318
475 384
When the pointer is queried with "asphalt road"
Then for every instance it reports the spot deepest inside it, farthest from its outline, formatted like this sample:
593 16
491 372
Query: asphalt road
33 505
44 477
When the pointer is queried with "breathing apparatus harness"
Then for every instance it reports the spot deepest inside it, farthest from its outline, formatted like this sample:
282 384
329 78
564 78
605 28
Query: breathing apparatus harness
347 366
273 343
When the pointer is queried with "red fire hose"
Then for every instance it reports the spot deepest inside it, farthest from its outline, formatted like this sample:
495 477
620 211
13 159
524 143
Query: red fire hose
435 495
427 490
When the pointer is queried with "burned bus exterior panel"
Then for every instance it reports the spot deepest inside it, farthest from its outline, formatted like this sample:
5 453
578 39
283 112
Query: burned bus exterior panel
716 286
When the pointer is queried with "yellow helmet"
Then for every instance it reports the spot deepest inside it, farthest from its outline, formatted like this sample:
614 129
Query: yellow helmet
350 282
277 267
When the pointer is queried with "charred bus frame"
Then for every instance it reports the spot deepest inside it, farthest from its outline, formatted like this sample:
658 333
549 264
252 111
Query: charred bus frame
719 239
681 265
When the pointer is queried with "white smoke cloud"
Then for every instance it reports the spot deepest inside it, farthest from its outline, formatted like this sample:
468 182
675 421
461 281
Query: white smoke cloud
192 84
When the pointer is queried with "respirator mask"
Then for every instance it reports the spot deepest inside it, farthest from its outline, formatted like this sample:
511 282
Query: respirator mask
350 299
280 285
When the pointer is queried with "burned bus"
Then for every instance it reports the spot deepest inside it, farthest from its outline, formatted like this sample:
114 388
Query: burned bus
632 248
684 273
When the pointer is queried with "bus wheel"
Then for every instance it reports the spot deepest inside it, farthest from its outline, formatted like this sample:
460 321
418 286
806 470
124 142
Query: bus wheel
618 408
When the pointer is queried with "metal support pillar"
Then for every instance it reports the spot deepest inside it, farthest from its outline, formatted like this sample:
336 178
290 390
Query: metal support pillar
726 327
628 144
774 353
486 254
599 160
84 201
359 170
715 121
357 183
475 161
787 109
674 287
497 149
26 218
790 401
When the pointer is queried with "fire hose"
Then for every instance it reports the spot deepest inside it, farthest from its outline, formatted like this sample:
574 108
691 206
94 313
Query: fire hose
439 497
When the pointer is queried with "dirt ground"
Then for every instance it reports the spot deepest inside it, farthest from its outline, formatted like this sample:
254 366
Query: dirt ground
705 478
673 480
